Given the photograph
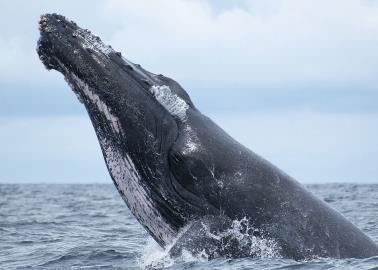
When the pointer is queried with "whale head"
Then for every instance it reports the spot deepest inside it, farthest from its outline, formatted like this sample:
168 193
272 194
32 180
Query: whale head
136 115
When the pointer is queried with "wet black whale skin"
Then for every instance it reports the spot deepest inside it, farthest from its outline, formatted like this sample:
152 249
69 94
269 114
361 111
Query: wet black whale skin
200 171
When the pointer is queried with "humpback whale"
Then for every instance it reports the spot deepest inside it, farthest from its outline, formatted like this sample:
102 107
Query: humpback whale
184 178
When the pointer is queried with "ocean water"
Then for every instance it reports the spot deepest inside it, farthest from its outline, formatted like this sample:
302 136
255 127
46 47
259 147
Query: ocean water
89 227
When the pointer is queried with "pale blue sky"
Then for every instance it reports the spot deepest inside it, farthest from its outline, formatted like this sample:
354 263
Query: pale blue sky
296 81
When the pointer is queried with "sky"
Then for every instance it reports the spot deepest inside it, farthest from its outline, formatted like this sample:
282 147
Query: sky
294 80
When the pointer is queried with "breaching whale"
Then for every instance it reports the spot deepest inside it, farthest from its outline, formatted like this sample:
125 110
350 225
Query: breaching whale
179 173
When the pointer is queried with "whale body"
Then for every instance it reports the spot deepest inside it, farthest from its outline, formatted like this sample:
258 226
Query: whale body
179 173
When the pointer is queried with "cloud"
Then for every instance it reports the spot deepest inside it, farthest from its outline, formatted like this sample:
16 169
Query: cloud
248 42
259 42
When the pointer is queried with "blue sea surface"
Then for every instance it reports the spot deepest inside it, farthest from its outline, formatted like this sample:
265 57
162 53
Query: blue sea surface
89 227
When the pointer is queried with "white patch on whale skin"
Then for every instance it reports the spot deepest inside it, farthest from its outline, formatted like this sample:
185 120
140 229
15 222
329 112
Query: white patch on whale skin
134 193
174 104
95 99
177 107
79 85
191 141
92 42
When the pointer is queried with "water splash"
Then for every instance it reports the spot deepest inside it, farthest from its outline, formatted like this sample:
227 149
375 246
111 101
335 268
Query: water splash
155 256
199 242
253 239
